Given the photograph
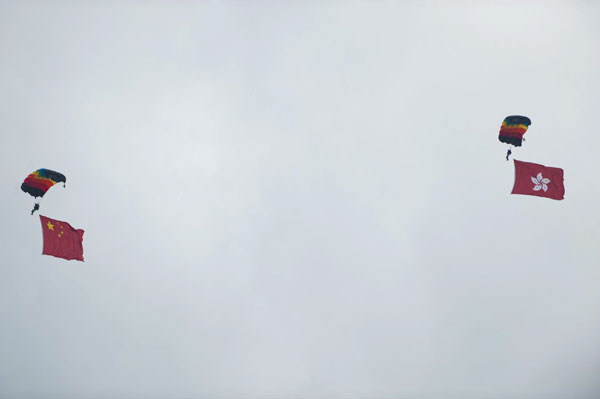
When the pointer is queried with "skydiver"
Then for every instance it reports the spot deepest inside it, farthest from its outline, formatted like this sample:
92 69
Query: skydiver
508 154
35 208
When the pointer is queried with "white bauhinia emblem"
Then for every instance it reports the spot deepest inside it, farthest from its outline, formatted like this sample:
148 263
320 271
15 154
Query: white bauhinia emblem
541 183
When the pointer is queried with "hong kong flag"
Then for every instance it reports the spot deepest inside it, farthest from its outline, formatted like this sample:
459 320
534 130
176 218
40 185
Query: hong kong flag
61 239
540 180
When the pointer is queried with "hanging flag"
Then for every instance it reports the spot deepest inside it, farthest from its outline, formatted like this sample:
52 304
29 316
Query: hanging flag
61 239
540 180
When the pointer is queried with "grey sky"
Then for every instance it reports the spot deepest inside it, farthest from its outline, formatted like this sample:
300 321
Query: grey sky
300 199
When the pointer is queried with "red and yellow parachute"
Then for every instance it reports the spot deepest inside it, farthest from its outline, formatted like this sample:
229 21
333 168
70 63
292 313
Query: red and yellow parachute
38 182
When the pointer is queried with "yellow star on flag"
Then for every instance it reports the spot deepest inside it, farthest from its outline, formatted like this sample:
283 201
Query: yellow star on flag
50 226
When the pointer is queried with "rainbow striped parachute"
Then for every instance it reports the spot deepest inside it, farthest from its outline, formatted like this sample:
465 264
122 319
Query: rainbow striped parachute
38 182
513 128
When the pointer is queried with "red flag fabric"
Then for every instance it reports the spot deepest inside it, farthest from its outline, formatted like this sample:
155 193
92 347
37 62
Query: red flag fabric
61 239
540 180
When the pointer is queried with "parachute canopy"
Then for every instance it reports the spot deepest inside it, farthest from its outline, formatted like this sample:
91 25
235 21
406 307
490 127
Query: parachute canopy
513 128
38 182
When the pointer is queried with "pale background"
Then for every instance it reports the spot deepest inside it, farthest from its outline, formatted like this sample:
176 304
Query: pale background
300 199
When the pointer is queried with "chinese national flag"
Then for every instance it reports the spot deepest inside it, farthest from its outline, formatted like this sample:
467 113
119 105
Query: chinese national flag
61 240
540 180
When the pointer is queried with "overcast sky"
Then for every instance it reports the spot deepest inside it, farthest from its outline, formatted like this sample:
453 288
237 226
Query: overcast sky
300 199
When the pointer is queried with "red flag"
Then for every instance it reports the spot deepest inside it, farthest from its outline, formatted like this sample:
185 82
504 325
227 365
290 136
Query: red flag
540 180
61 239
